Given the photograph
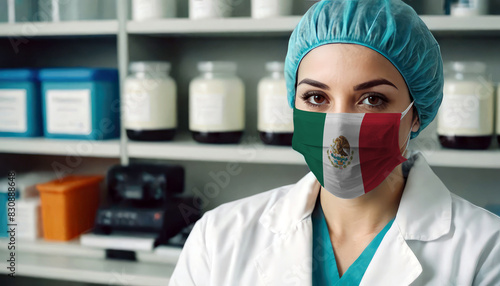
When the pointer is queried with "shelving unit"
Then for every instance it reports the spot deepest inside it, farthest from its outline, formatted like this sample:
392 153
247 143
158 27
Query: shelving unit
184 42
250 151
43 146
74 262
60 29
285 25
90 270
227 26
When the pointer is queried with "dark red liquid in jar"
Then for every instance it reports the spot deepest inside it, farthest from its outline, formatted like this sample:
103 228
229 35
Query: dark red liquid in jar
279 139
151 135
466 142
233 137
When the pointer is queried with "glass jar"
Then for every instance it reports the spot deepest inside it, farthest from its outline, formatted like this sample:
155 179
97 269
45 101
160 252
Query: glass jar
271 8
209 9
465 118
150 102
469 8
498 114
68 10
14 11
275 117
4 12
153 9
217 104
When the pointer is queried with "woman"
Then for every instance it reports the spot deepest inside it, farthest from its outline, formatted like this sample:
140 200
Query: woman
363 77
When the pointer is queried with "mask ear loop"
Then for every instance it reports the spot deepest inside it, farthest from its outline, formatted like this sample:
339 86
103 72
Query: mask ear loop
403 114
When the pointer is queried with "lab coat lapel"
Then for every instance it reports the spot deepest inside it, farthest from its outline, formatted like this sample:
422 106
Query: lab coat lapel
424 214
288 260
394 263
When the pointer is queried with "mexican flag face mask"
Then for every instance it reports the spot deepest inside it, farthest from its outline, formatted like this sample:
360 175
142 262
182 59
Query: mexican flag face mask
349 153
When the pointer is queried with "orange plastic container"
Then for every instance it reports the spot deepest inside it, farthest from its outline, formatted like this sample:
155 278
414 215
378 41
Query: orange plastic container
69 206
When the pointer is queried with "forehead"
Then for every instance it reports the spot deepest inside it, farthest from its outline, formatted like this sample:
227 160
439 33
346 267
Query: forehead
346 63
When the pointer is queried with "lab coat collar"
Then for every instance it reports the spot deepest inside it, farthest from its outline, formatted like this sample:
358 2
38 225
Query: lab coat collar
424 214
292 208
425 209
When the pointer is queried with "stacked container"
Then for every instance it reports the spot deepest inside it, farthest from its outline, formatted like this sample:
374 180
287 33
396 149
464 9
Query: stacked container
69 206
80 103
27 205
20 103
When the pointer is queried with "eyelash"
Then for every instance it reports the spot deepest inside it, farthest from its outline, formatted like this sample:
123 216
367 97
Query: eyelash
378 95
305 97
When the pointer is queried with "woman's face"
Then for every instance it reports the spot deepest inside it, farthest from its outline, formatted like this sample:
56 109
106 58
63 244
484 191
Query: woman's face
349 78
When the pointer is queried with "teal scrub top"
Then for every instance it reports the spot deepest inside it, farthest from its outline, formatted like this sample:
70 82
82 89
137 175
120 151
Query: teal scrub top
325 271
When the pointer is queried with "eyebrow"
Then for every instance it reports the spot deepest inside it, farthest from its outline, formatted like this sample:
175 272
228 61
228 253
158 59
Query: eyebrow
314 83
362 86
372 83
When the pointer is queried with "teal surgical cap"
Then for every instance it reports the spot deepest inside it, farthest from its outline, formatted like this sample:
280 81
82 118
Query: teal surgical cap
389 27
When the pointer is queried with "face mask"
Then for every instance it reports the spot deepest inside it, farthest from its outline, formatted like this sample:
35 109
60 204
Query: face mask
349 153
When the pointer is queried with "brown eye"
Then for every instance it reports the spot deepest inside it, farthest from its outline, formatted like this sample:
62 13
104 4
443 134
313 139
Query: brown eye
373 101
317 99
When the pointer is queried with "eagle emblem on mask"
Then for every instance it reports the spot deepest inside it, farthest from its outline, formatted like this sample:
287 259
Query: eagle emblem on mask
340 153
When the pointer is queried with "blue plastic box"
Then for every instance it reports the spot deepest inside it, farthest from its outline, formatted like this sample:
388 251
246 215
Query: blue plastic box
80 103
20 103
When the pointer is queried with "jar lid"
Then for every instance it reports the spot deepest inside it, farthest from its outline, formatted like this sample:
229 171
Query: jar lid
275 66
150 66
224 67
467 67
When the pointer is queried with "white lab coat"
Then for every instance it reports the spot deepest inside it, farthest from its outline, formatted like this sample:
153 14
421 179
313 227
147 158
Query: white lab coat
437 238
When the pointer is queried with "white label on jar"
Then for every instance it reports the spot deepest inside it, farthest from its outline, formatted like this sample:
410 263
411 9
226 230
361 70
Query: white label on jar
13 113
69 112
277 116
137 107
465 115
208 110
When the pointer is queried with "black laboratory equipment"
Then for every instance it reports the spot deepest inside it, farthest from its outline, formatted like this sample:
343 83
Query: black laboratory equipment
145 208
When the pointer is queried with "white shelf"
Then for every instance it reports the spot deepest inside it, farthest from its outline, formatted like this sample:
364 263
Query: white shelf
43 146
285 25
108 272
236 25
489 23
72 261
483 159
80 28
251 150
215 26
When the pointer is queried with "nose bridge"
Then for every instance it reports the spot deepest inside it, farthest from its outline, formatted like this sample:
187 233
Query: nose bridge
343 102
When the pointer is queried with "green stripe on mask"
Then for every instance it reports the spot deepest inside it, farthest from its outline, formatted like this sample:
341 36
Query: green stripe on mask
308 137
